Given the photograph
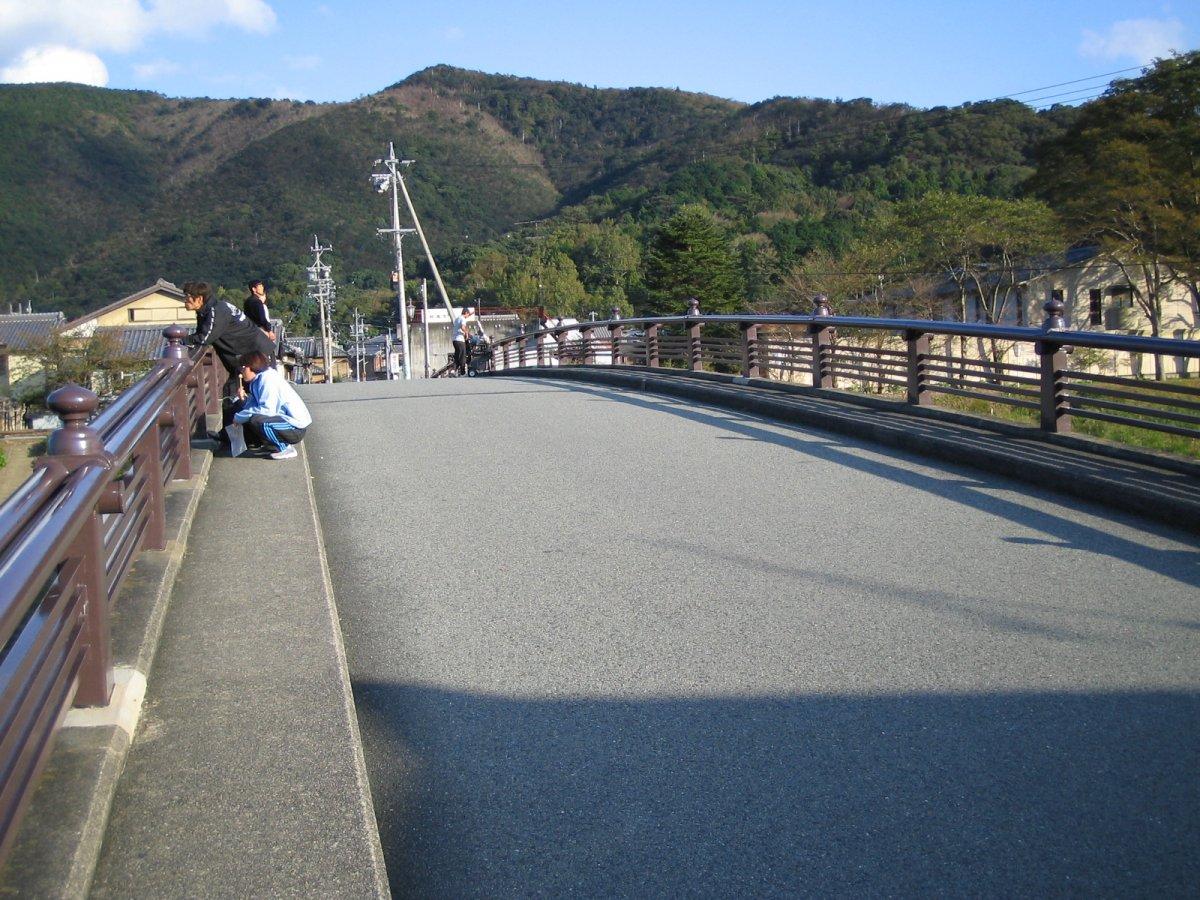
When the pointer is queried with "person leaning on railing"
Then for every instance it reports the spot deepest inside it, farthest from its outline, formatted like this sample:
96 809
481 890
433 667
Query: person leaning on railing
225 328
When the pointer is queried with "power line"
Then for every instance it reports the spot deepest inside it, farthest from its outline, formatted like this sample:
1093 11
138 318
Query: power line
1075 81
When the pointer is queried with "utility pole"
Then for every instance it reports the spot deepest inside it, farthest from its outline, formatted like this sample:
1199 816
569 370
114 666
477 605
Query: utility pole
356 331
321 289
425 323
393 181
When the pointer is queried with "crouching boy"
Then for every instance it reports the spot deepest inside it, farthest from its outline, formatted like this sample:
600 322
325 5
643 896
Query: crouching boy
272 413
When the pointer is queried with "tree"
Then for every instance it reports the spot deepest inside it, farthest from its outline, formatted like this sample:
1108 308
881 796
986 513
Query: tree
1126 175
546 277
983 245
691 256
97 362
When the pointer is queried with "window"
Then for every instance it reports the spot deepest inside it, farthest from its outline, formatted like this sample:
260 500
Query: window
1095 307
153 315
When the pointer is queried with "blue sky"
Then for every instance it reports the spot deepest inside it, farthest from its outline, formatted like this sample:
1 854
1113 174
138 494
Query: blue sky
924 53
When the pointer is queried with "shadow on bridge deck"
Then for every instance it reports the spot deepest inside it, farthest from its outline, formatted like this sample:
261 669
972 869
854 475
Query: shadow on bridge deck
1017 794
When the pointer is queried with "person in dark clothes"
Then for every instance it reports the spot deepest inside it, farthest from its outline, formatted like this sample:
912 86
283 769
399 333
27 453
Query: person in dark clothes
225 328
255 307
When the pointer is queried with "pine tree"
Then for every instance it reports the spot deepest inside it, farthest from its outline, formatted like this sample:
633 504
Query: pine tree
692 257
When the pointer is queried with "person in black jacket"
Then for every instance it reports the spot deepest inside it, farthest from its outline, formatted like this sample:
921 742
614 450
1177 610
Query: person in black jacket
255 307
225 328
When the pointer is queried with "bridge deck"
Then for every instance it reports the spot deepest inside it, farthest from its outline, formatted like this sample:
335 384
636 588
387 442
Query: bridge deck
611 644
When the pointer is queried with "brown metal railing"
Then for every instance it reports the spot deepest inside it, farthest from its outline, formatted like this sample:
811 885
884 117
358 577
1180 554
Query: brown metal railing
68 537
1045 370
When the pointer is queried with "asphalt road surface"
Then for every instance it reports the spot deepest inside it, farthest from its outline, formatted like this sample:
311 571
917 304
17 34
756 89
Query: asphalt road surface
610 644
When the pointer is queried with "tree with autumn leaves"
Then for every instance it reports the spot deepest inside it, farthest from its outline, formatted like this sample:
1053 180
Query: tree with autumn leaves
1126 176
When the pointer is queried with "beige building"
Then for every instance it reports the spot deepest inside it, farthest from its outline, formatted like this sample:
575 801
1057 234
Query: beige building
136 321
159 305
1098 296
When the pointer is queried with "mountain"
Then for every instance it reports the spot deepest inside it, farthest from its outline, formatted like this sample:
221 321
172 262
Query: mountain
103 191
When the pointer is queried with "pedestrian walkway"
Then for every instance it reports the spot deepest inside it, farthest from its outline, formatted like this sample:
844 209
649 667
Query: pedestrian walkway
245 777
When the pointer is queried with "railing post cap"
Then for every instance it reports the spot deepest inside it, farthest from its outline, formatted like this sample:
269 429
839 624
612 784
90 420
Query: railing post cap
175 349
821 305
72 402
693 306
74 405
1054 314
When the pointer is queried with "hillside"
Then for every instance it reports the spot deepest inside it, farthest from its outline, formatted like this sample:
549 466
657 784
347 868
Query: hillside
103 191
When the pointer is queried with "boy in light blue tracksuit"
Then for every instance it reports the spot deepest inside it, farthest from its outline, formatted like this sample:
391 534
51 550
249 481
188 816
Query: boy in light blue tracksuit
272 411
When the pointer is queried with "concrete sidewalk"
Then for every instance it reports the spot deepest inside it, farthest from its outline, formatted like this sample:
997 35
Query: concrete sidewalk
246 775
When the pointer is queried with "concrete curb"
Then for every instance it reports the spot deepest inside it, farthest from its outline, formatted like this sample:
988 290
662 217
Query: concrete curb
1158 487
367 804
57 849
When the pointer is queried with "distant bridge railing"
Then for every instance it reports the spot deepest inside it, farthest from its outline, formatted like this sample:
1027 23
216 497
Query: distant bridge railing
68 537
1054 373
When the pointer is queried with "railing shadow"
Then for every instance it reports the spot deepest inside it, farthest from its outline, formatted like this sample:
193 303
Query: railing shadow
956 486
979 794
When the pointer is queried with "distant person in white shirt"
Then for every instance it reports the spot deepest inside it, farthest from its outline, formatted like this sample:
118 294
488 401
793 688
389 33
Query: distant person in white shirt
272 413
460 336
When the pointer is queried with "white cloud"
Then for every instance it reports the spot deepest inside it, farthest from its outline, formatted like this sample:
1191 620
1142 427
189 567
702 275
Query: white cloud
88 27
50 62
1141 40
190 17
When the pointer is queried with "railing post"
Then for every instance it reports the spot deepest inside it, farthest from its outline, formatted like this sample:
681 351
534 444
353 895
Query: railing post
918 368
652 359
217 392
541 349
750 367
588 356
560 343
180 414
695 352
74 445
618 332
1056 405
822 345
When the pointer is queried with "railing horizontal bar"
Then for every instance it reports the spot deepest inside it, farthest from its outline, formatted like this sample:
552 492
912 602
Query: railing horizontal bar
839 349
1135 411
28 561
1147 384
949 374
985 387
1154 403
977 395
27 501
1136 423
965 362
1132 343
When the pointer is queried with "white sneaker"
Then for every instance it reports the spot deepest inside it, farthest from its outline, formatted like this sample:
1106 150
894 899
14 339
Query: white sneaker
285 453
237 441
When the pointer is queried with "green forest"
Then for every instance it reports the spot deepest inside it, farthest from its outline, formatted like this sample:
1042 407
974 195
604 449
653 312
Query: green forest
583 200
